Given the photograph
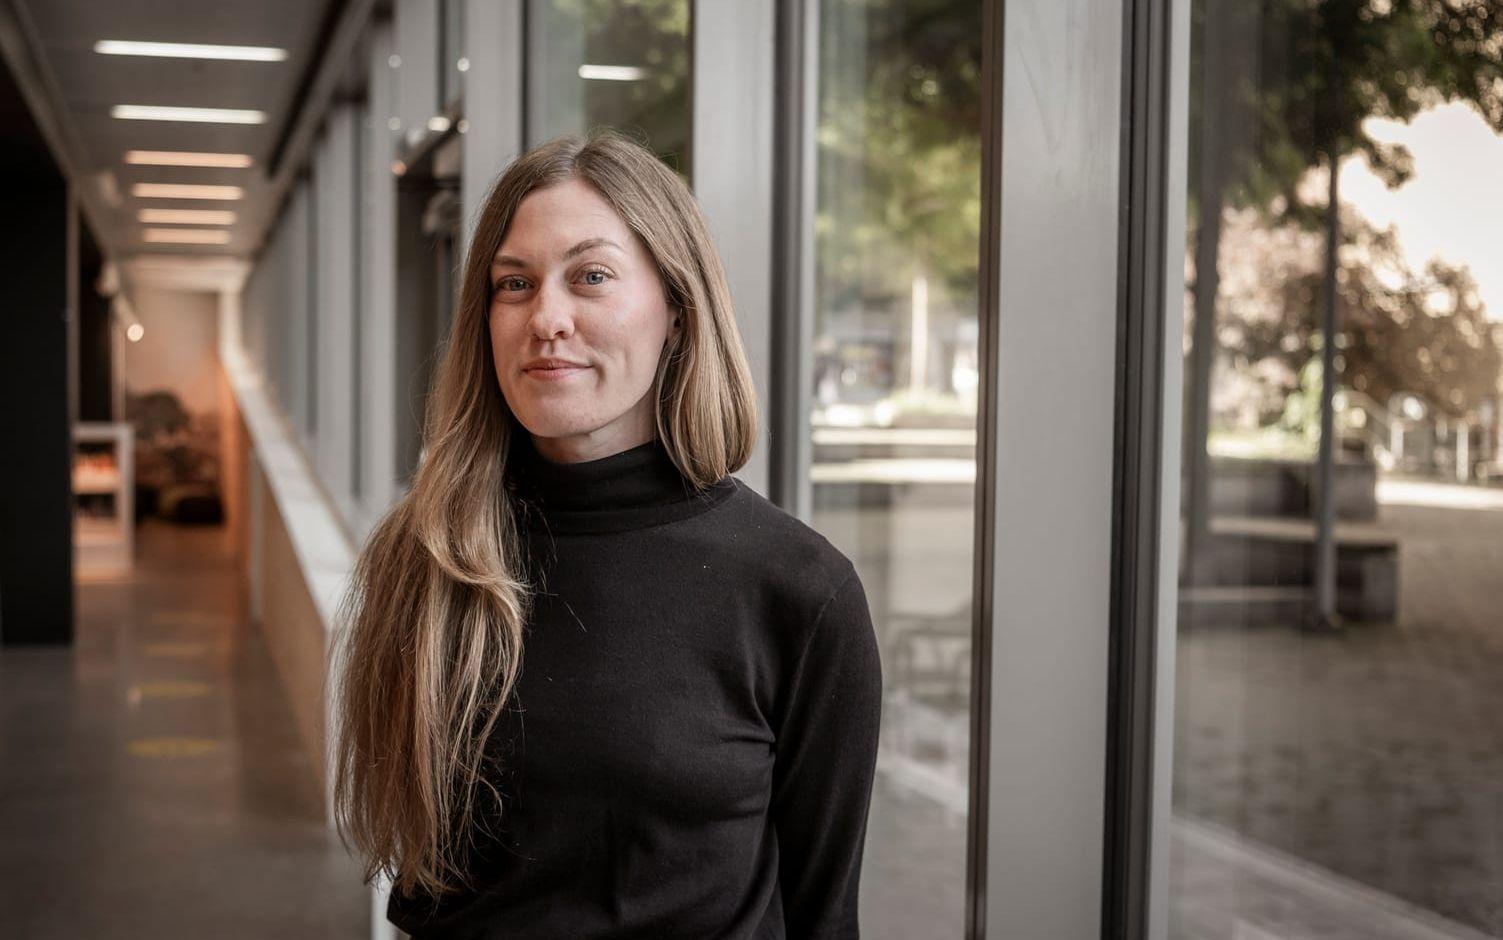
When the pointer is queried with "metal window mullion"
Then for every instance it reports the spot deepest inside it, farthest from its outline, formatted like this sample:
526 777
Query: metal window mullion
1174 196
791 372
357 266
1137 480
993 23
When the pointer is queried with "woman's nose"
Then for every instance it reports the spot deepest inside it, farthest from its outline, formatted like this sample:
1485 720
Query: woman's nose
551 317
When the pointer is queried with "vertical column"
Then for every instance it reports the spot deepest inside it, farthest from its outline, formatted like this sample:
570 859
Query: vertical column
379 286
36 514
417 73
336 327
493 100
292 387
1051 186
732 151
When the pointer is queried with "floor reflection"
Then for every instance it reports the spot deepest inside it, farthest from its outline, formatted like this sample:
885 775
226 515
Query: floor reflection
153 784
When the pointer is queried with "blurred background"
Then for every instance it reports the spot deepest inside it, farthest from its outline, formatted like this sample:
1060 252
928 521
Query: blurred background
231 253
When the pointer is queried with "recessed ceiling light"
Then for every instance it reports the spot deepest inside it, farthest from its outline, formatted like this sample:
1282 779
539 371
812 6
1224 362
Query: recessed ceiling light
183 50
187 216
233 161
187 236
149 112
612 73
185 191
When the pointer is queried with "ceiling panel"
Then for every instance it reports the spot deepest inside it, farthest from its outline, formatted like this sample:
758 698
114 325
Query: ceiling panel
91 83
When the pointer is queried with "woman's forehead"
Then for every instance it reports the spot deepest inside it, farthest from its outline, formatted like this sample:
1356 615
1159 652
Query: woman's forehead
555 218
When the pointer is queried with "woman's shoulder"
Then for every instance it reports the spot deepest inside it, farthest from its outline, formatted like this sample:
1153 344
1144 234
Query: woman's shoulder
783 547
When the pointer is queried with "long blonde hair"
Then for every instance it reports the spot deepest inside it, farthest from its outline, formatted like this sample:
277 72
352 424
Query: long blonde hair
434 615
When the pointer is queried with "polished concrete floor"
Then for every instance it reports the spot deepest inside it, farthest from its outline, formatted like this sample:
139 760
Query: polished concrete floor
152 783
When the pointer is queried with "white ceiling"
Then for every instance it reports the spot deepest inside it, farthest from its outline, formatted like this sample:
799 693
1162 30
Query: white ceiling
90 83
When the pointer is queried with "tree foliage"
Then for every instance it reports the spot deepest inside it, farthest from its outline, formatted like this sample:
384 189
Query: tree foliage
1422 332
899 147
1279 85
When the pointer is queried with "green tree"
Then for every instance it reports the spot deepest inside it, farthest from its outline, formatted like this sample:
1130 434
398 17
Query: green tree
1281 86
898 162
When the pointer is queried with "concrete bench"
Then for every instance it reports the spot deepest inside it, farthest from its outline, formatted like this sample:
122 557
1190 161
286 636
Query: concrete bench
1268 552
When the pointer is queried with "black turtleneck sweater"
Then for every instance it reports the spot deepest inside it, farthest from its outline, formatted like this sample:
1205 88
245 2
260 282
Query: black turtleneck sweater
690 748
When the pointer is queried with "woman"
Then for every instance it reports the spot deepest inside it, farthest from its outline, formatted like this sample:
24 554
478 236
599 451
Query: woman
686 746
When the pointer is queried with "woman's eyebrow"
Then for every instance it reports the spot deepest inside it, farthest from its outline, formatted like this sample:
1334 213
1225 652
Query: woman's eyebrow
511 261
589 243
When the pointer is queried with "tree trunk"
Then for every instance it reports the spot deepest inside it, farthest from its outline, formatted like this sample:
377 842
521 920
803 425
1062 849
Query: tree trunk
1325 507
1210 190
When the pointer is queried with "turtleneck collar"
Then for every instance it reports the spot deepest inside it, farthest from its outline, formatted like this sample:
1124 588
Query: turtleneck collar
635 488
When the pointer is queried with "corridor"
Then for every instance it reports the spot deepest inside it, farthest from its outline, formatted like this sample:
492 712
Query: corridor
151 780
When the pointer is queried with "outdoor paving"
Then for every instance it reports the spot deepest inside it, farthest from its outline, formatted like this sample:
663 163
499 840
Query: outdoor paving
1376 754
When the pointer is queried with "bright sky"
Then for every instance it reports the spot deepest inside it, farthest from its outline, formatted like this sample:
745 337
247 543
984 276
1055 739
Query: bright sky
1452 207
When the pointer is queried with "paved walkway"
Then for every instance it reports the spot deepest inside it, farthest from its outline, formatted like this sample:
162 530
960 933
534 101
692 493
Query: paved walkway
151 781
1375 755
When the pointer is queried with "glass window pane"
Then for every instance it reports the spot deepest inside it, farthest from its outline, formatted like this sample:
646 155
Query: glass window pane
1338 754
893 414
452 63
595 63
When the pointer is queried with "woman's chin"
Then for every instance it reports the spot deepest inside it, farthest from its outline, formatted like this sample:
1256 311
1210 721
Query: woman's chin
557 426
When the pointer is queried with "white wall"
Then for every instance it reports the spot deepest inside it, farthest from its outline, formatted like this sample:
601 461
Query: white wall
179 351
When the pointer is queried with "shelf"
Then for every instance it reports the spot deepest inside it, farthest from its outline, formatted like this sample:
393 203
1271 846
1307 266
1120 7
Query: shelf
96 482
104 544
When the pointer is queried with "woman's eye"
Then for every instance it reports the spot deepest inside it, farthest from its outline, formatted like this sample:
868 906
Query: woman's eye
594 278
511 284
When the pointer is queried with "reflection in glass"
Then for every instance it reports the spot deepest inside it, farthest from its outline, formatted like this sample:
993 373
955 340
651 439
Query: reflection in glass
897 221
617 63
1338 754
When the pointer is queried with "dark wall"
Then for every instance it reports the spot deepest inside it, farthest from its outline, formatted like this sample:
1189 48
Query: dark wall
36 514
94 334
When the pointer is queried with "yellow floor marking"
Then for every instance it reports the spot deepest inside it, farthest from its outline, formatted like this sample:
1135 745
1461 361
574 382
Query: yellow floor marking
168 688
172 747
176 650
188 617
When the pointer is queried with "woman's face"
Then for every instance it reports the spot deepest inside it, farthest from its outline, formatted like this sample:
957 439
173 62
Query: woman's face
578 321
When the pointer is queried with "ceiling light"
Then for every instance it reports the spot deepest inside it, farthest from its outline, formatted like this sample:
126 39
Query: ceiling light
187 236
148 112
438 124
463 64
183 50
134 332
187 216
612 73
232 161
184 191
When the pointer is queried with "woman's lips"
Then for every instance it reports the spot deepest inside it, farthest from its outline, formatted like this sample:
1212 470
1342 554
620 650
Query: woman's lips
553 374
